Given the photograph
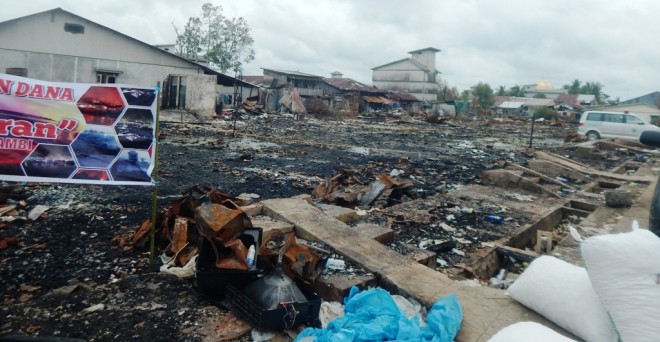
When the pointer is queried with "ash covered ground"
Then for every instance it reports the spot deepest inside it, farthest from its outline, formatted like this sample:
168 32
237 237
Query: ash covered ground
69 277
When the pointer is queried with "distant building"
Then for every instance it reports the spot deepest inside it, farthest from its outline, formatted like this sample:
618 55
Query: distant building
292 87
348 94
652 99
542 88
59 46
512 105
416 75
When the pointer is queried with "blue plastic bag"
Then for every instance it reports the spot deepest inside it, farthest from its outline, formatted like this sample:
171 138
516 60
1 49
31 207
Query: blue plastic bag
373 315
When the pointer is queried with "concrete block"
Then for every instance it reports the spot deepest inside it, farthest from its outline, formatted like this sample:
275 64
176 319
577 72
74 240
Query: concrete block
254 209
617 198
340 213
422 256
305 197
269 224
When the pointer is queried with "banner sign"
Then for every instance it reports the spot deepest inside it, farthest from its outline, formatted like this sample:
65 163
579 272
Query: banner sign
76 132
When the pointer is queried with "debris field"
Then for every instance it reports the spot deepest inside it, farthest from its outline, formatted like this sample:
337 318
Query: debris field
68 266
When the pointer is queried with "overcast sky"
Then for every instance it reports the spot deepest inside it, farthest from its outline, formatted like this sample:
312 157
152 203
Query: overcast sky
507 42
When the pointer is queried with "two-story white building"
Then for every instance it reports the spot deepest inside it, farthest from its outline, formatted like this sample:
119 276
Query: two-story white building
416 75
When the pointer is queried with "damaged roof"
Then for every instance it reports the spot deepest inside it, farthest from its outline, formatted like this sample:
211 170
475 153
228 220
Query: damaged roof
255 80
292 73
533 101
510 105
378 99
348 84
399 96
569 100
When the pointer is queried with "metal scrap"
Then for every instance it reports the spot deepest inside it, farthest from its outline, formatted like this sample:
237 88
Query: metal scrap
350 188
202 212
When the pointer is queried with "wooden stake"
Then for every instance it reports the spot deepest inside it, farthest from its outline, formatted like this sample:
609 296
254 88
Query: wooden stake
154 189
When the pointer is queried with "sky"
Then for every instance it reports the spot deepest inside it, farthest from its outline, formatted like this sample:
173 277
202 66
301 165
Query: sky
502 43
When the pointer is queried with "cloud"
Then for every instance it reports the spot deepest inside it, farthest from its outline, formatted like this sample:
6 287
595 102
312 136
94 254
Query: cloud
498 42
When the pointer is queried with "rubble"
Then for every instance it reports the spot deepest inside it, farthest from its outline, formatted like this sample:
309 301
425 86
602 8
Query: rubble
410 177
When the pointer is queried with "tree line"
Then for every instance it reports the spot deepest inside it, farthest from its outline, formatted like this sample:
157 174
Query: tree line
482 97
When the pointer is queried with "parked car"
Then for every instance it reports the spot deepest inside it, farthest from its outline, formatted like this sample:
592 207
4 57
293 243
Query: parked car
600 124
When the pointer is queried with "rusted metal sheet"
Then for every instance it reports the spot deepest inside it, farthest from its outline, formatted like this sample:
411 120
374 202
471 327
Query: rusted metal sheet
219 222
184 222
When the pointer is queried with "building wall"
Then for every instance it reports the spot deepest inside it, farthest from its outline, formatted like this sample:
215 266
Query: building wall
652 99
41 44
407 77
200 94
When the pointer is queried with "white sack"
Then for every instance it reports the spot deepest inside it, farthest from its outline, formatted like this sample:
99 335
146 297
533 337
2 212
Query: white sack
562 293
527 332
625 272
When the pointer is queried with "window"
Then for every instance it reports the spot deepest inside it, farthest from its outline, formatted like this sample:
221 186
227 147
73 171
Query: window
655 120
595 117
74 28
633 120
106 77
23 72
616 118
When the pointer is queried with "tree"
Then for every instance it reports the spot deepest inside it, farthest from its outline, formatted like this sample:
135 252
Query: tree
483 97
592 88
545 113
501 91
540 96
465 95
516 91
225 42
445 93
596 89
574 87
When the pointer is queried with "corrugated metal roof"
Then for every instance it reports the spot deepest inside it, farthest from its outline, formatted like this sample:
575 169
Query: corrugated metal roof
510 105
293 73
399 96
586 98
533 101
256 80
350 84
377 99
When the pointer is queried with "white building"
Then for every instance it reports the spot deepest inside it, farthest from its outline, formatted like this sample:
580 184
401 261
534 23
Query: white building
415 75
60 46
544 88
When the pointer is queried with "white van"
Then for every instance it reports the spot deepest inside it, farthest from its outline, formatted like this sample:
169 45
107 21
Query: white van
599 124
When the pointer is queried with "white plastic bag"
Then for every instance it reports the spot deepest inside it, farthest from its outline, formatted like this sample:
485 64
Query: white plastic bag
527 332
625 272
562 293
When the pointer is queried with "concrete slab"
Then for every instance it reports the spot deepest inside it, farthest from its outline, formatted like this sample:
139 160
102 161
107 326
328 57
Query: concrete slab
253 209
342 214
375 232
485 310
268 224
589 171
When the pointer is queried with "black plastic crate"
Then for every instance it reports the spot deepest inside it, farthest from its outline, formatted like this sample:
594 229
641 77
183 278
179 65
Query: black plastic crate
212 281
284 317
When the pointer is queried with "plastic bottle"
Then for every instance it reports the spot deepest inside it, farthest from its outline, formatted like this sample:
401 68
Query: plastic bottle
494 219
250 256
467 210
